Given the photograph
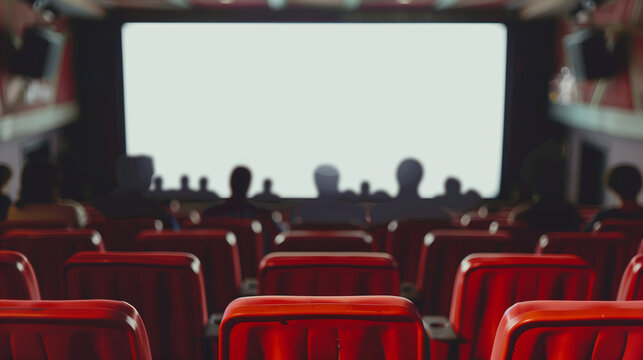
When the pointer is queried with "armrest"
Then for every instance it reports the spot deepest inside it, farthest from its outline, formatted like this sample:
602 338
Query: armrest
212 326
409 291
249 287
439 328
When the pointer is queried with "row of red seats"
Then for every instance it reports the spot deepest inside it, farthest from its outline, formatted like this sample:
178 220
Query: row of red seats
168 291
435 261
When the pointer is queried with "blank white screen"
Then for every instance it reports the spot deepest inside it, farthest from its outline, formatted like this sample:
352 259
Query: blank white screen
283 98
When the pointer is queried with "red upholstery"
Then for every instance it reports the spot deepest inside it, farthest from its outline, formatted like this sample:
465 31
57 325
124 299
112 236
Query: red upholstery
404 241
32 224
47 251
328 274
631 287
58 330
120 234
488 284
608 253
347 328
18 280
571 330
324 240
218 253
633 230
249 233
440 256
523 237
166 288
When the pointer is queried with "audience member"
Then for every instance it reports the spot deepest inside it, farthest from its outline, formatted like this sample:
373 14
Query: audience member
5 201
238 206
544 172
408 205
453 198
625 181
38 199
327 208
204 194
267 195
129 200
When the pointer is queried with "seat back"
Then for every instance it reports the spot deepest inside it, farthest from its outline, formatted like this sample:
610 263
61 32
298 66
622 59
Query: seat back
486 285
571 330
631 287
32 224
404 241
166 289
217 251
120 234
18 278
324 240
87 329
328 274
249 233
47 251
608 253
439 258
318 327
633 230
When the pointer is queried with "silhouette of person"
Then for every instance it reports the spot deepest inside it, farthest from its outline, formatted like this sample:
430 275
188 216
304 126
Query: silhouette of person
544 172
5 201
38 199
185 184
266 195
238 206
453 199
129 200
364 191
625 181
327 208
204 194
408 205
158 184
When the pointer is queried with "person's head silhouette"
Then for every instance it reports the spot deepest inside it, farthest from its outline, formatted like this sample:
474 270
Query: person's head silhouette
203 184
365 189
158 183
452 187
240 182
134 173
185 182
409 175
625 180
39 182
327 180
267 186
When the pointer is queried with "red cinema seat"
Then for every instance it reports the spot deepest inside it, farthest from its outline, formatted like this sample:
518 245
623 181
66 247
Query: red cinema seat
571 330
249 233
166 288
324 240
439 258
17 278
218 253
120 234
328 274
47 251
631 287
488 284
79 329
608 253
404 241
633 230
32 224
319 327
